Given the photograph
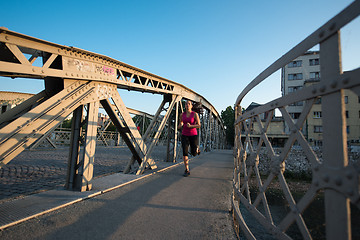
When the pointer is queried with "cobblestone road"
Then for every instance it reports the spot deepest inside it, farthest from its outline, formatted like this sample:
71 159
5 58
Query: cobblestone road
41 170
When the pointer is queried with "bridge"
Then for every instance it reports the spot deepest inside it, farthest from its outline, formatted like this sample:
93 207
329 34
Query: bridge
79 82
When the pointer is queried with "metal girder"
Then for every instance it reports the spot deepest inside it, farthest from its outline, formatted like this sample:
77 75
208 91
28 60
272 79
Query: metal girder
150 131
80 167
87 166
158 132
45 137
25 130
136 146
207 142
73 179
173 135
332 174
65 62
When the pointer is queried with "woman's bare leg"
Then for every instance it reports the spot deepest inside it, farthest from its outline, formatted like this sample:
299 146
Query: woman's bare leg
186 163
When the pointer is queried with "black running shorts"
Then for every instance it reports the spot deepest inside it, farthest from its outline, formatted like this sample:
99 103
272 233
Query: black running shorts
192 141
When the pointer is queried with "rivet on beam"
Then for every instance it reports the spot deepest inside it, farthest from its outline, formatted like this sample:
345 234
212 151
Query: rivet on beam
349 175
316 183
338 181
326 178
332 27
333 84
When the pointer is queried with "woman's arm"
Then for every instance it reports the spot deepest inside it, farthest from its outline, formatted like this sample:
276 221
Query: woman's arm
181 123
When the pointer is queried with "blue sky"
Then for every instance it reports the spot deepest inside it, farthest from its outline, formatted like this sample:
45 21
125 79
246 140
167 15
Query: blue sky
212 47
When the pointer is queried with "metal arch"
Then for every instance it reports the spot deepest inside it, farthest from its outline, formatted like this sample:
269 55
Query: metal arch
78 81
65 62
334 176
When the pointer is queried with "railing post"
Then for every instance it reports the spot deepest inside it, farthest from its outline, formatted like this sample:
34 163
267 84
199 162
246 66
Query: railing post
172 140
237 144
337 206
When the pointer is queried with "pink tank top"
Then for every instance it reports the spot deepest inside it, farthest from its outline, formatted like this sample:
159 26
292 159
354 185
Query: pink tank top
191 119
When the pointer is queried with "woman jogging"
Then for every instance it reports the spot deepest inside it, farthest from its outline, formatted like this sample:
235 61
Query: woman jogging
190 121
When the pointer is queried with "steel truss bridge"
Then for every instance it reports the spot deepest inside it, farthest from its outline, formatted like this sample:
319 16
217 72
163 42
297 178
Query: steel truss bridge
78 82
333 176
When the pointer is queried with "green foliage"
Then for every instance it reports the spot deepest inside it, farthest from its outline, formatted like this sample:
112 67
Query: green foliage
66 123
111 128
228 118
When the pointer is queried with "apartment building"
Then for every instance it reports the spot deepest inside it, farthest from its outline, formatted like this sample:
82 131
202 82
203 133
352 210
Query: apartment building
294 75
305 71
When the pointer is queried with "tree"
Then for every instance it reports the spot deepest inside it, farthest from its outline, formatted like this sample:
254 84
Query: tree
228 118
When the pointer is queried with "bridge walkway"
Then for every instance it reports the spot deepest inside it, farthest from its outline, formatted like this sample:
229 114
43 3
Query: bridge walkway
159 205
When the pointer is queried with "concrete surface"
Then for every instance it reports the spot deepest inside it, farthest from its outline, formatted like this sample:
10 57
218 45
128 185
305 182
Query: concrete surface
163 205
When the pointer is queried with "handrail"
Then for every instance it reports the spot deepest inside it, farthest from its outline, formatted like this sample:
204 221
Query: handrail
331 173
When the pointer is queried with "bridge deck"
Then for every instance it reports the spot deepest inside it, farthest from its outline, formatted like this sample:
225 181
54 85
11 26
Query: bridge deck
163 205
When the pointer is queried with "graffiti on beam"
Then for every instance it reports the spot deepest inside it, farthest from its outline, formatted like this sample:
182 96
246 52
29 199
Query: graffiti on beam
76 65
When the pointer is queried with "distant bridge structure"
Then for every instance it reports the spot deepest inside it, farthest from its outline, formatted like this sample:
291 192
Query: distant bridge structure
79 82
333 178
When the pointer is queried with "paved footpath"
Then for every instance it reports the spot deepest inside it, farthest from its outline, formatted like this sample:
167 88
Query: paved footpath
162 205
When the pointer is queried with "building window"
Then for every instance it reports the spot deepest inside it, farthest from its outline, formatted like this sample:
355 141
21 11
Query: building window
295 76
295 115
301 103
315 75
297 63
347 114
314 62
318 100
318 143
3 108
347 129
346 99
318 129
317 115
294 89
